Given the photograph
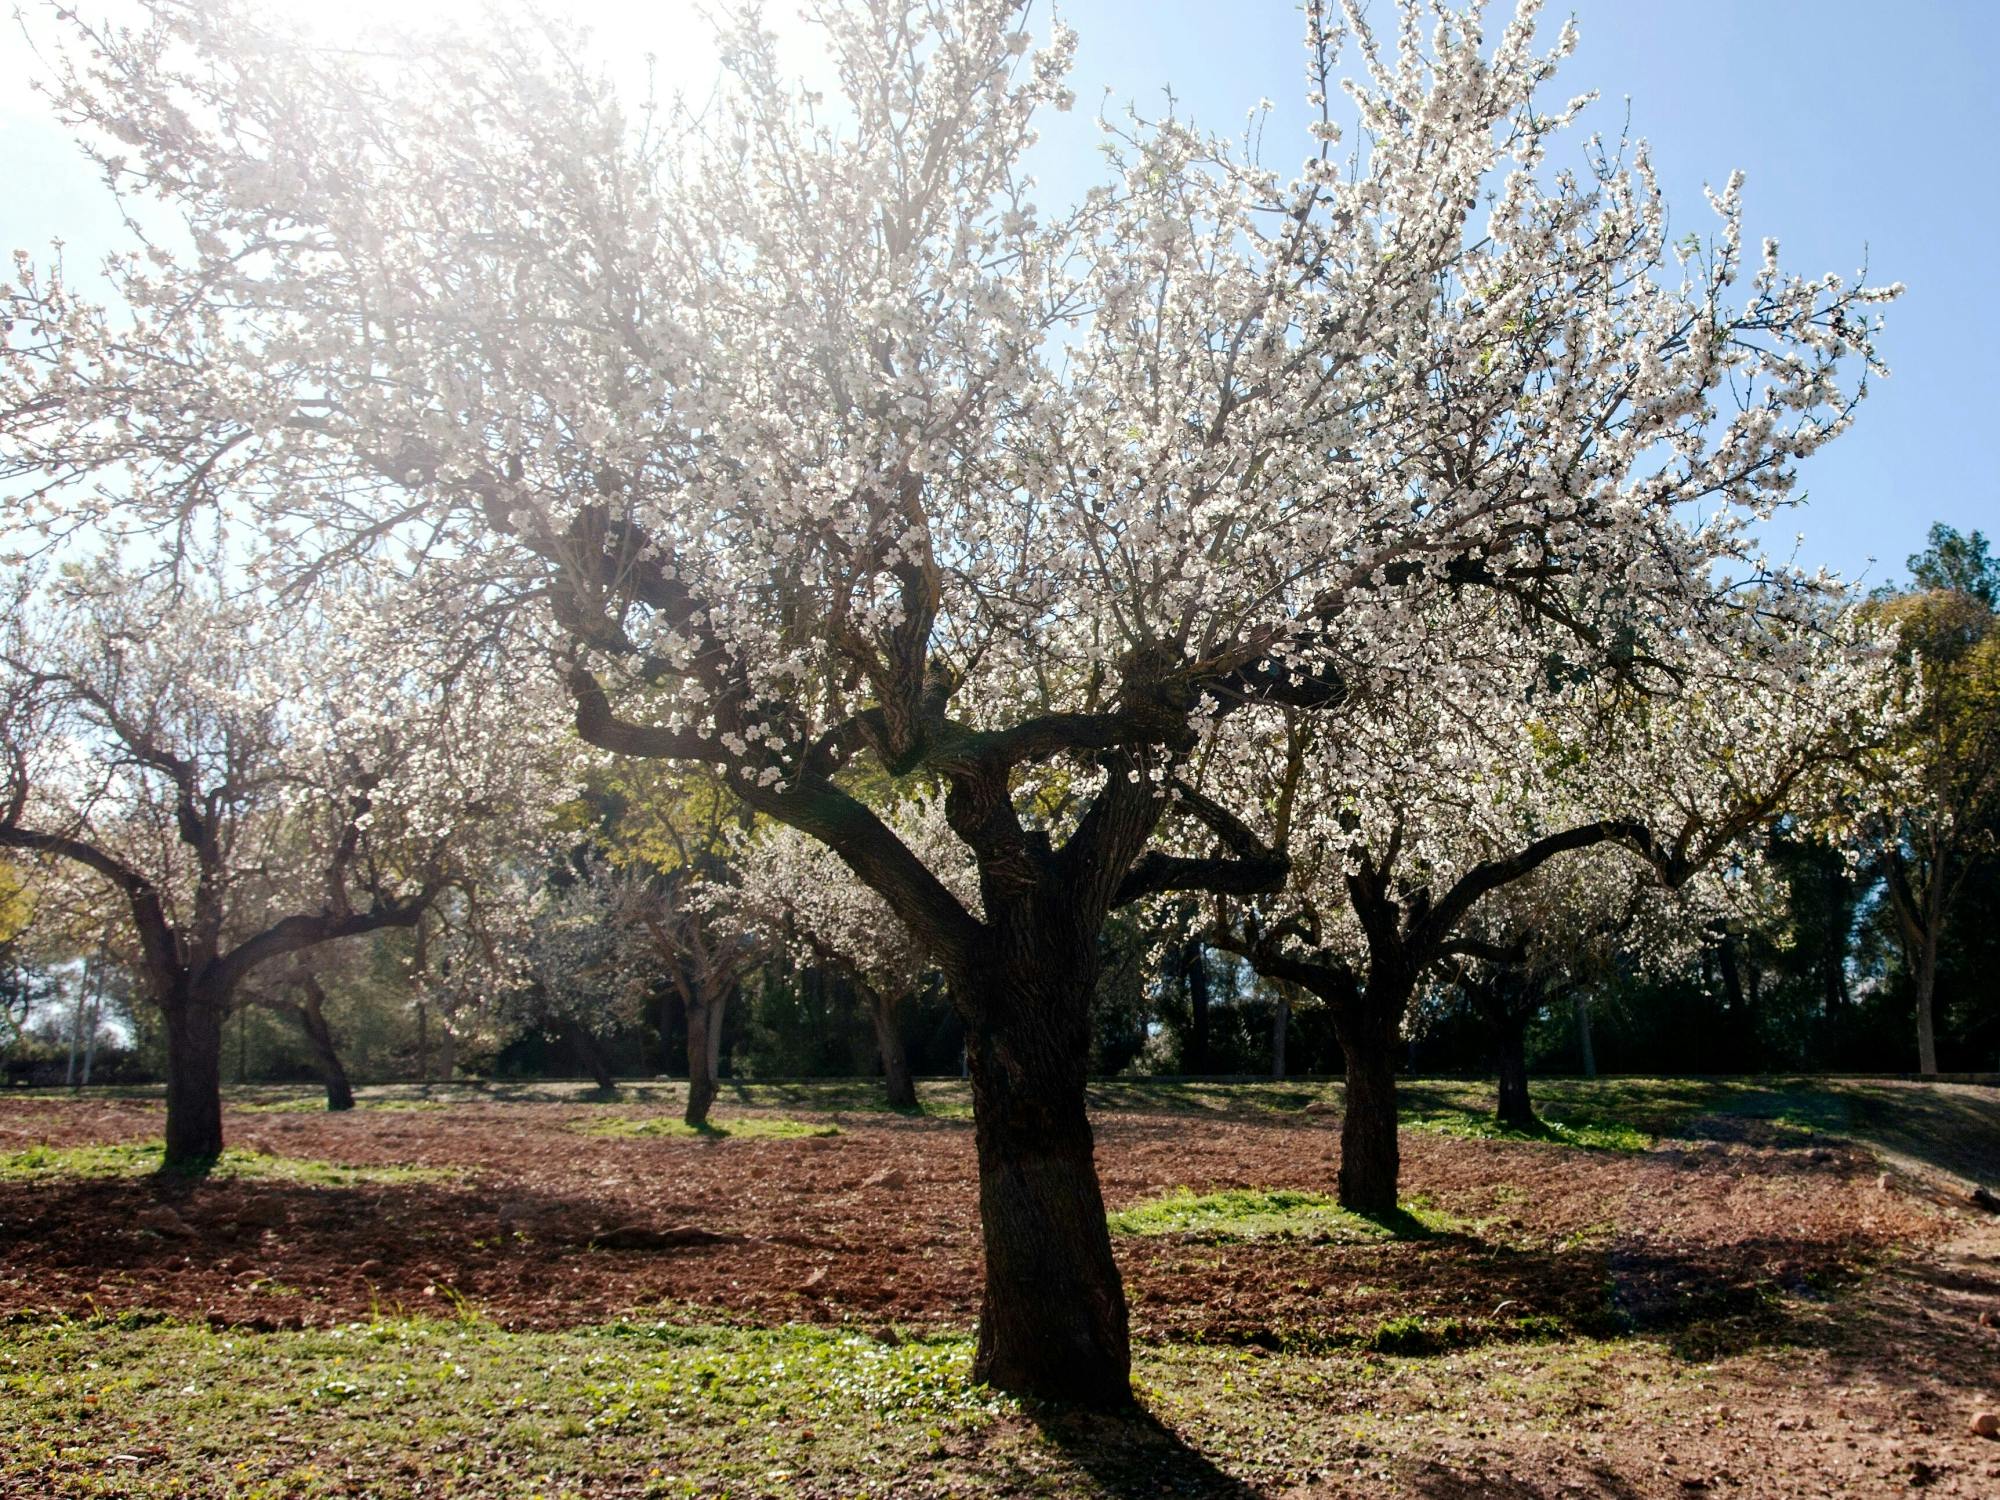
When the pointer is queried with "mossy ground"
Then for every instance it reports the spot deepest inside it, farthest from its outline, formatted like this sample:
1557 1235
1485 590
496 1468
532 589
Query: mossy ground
143 1411
50 1163
1266 1213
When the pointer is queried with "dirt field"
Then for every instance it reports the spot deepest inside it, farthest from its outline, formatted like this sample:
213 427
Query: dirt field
1775 1290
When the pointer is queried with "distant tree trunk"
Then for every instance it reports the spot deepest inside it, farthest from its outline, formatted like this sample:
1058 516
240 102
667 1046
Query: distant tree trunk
1920 920
583 1041
704 1032
897 1082
1583 1035
715 1034
194 1080
1194 961
90 1033
423 1043
1370 1159
1053 1320
1927 957
76 1026
1281 1017
669 1000
319 1036
1515 1111
447 1053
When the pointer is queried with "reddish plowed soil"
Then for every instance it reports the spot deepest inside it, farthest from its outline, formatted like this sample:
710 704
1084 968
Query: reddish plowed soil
1689 1233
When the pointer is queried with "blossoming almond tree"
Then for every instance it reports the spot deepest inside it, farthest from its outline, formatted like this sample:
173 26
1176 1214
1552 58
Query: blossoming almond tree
247 784
1546 937
797 887
806 439
1405 819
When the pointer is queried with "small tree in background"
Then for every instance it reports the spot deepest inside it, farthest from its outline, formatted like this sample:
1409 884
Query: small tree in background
1938 798
797 888
247 784
1400 831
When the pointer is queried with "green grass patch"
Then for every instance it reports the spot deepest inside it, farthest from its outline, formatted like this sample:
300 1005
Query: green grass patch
315 1104
742 1128
430 1407
56 1163
1590 1134
1269 1213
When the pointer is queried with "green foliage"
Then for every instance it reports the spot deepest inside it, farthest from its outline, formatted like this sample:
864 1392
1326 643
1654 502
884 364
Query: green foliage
1415 1334
315 1103
1958 562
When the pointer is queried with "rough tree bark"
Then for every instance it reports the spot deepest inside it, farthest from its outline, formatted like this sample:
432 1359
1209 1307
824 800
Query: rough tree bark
194 1080
1370 1158
1516 1110
1053 1318
704 1032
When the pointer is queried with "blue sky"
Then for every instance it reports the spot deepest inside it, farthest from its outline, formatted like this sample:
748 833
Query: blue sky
1866 130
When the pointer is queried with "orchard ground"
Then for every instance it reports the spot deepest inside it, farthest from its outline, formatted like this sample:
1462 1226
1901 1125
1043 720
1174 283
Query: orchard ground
1770 1287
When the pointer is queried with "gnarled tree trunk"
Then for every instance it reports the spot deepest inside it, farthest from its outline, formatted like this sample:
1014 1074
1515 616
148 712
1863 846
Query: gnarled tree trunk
1053 1319
1370 1158
319 1036
897 1082
194 1079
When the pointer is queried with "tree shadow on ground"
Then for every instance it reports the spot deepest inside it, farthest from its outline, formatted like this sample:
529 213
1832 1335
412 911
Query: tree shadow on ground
1949 1127
1135 1456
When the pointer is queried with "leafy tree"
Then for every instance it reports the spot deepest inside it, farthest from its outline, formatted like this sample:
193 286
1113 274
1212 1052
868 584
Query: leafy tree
1940 792
1955 563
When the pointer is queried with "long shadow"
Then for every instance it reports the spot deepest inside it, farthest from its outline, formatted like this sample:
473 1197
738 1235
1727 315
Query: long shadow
1952 1127
1135 1456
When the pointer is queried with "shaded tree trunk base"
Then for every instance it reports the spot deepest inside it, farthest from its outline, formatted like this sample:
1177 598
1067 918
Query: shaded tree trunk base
194 1084
326 1057
702 1086
1515 1110
898 1084
1370 1156
1053 1323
